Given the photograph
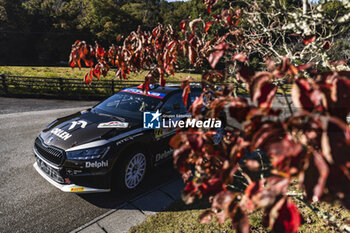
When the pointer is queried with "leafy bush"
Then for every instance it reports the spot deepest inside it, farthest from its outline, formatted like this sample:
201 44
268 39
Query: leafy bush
311 145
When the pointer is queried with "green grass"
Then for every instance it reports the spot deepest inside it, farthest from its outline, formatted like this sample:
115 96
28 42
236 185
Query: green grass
78 90
67 72
179 217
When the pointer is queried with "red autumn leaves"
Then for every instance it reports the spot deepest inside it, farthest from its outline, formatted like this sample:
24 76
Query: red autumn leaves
311 39
141 49
311 145
209 4
89 54
219 51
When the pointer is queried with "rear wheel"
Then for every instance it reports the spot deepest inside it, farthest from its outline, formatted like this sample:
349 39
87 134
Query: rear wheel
130 172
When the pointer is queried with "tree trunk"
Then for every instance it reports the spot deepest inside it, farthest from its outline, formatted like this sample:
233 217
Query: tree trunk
305 2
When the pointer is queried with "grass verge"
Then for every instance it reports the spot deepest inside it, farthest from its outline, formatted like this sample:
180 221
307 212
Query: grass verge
67 72
179 217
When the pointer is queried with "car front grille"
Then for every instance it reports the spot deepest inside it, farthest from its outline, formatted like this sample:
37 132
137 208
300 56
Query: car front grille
50 153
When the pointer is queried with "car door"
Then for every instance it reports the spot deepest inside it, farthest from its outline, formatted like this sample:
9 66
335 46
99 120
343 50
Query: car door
172 107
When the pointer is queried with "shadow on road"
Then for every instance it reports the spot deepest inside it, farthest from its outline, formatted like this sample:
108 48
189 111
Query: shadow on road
157 177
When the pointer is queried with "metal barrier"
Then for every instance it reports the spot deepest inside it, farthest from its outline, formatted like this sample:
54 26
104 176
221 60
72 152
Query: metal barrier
67 88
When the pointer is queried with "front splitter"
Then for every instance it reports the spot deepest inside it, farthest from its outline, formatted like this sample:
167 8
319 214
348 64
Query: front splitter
69 188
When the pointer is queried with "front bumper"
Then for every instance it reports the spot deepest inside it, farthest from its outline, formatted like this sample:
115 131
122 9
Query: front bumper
71 188
85 182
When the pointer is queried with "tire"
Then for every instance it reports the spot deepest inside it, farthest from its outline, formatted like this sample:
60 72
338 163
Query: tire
131 172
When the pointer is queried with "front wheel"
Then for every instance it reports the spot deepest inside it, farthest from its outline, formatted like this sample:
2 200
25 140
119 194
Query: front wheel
131 172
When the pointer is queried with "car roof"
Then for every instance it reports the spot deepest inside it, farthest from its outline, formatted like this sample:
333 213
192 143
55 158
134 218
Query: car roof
168 88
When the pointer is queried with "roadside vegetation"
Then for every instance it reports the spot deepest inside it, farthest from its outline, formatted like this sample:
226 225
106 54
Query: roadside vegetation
179 217
53 82
67 72
263 47
42 31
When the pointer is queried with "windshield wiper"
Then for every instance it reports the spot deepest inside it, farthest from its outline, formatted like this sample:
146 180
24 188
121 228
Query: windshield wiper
113 116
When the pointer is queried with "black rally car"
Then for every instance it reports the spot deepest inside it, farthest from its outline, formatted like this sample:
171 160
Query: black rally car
109 145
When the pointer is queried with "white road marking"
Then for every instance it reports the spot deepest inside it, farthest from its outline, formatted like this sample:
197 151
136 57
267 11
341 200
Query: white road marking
41 112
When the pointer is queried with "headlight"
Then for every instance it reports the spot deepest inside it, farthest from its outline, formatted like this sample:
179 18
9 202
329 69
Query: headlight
91 153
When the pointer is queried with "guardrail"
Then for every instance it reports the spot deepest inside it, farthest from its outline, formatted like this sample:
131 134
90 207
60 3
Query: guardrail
65 88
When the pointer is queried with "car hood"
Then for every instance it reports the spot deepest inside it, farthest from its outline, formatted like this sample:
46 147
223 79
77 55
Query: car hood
84 127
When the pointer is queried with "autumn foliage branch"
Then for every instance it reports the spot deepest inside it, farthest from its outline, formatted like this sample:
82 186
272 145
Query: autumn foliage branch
311 145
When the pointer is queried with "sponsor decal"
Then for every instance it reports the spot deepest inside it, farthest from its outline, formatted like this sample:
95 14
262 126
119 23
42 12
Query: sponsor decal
96 164
81 123
124 140
140 92
121 141
113 124
163 132
164 154
73 172
77 189
151 120
48 170
61 133
158 133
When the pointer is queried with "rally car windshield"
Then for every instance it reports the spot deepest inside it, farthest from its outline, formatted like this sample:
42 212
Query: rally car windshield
124 103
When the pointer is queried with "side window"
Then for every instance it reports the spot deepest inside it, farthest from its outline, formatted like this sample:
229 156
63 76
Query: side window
193 96
174 105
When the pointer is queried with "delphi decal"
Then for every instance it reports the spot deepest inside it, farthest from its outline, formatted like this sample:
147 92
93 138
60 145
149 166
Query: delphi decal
96 164
164 154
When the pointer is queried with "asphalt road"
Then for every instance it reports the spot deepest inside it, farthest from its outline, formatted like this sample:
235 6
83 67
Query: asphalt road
28 203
